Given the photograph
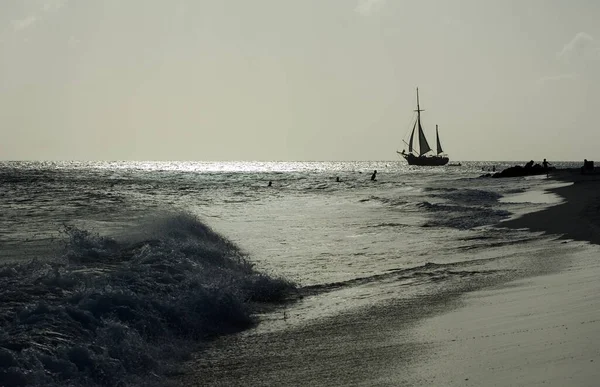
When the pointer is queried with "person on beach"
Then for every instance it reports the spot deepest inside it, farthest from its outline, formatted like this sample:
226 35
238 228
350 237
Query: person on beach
545 164
587 166
374 175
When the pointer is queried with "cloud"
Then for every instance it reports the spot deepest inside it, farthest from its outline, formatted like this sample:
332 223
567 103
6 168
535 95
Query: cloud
577 58
581 47
21 24
53 5
47 6
367 7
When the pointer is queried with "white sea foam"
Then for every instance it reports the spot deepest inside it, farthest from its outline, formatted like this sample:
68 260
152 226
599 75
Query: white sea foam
107 312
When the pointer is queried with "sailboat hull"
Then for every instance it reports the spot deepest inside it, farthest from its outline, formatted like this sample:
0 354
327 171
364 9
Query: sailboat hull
432 161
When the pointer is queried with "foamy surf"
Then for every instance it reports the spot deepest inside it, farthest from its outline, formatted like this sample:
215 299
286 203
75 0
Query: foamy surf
108 312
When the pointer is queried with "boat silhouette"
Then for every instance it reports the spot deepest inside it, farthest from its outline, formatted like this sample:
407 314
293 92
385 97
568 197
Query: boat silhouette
425 155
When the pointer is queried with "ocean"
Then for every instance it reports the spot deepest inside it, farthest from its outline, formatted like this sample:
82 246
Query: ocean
115 273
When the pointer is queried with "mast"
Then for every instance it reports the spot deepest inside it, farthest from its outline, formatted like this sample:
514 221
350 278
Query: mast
417 122
423 145
418 109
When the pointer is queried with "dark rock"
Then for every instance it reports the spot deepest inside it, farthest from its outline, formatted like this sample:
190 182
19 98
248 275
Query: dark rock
518 170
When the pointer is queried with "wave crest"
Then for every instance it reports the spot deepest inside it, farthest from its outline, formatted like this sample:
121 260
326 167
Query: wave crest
112 312
468 196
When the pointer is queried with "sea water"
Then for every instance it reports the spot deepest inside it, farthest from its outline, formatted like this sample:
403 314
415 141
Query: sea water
114 271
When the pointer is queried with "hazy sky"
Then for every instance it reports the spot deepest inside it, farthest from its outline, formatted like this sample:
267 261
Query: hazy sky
298 80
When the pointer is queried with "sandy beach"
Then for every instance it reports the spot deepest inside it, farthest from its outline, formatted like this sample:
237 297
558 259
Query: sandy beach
538 329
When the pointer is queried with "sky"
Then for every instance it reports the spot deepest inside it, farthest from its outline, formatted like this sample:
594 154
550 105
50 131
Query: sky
297 79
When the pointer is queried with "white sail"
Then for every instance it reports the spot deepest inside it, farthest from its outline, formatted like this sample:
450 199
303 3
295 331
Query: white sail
439 145
412 135
423 145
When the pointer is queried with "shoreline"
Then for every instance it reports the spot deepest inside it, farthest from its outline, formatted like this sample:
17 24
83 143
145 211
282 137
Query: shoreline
538 330
477 334
577 218
535 331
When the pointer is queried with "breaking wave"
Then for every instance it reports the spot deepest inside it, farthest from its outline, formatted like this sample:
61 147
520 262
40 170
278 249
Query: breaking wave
110 312
429 271
392 202
468 196
388 224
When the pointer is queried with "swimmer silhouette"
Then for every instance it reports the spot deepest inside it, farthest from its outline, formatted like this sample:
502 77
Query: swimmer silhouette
374 175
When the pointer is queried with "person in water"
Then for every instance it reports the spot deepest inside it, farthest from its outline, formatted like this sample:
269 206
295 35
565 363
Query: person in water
529 164
270 183
374 175
337 179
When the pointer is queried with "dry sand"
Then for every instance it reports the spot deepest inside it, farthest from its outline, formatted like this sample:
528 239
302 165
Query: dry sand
542 330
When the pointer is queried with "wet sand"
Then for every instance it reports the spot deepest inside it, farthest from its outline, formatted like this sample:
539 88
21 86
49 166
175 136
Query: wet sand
369 347
536 331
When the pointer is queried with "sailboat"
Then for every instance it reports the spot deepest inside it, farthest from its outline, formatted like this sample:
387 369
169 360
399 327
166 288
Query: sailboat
425 154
